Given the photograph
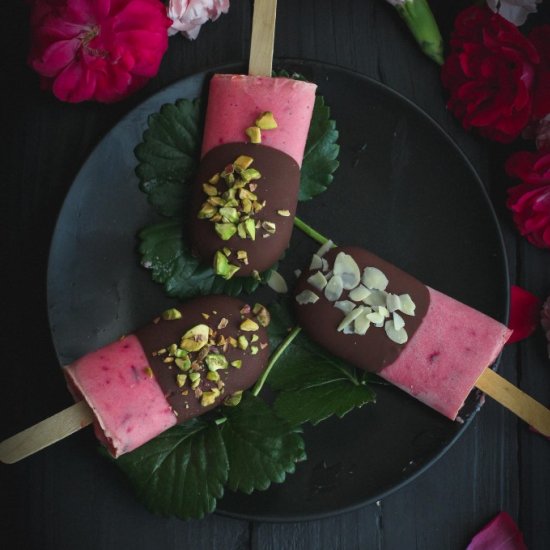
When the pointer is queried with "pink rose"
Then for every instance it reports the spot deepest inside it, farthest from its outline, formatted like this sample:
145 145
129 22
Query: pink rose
99 50
530 200
189 15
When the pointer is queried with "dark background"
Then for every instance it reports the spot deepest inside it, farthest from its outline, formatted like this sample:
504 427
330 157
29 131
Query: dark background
498 464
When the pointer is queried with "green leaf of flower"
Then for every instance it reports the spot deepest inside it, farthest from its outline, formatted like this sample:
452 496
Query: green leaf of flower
181 472
169 154
164 250
312 384
261 447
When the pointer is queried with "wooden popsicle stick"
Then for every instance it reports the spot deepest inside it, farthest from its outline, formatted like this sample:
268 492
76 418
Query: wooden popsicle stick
517 401
263 37
46 433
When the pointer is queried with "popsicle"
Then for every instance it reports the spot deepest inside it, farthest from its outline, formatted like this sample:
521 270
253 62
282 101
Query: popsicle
381 319
184 363
246 191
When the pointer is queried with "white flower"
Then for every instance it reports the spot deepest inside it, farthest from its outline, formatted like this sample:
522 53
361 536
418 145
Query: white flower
515 11
189 15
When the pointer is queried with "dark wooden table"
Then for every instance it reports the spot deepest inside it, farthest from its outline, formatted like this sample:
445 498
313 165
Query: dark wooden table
498 464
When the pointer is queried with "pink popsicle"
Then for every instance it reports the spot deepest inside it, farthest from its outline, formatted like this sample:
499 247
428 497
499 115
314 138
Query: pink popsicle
429 345
236 101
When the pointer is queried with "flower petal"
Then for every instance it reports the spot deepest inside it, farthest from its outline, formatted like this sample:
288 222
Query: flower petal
501 533
524 314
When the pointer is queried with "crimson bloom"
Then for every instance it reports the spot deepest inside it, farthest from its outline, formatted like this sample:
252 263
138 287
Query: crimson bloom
99 50
530 200
524 314
489 74
540 37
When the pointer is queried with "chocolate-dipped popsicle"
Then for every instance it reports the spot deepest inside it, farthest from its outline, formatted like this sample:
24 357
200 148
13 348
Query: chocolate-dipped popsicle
381 319
245 195
184 363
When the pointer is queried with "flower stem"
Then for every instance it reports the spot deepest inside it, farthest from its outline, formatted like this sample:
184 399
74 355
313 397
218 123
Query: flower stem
273 359
309 231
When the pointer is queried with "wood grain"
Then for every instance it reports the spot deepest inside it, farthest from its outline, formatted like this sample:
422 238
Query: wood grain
263 37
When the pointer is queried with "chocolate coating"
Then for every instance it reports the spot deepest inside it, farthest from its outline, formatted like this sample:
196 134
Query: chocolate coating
278 186
374 350
154 337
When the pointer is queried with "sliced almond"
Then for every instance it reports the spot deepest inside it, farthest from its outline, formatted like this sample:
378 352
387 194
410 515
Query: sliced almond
398 336
349 318
325 248
306 297
393 303
316 262
317 280
383 311
347 268
407 305
345 305
360 293
376 298
398 321
334 288
361 324
277 283
374 279
375 318
325 264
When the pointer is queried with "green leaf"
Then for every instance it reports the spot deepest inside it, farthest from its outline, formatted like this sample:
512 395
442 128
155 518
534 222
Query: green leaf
181 472
165 252
320 154
168 155
312 384
261 448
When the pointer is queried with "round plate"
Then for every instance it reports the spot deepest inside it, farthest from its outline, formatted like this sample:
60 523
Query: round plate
403 190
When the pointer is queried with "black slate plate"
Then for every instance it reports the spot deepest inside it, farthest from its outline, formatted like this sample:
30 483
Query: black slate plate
403 189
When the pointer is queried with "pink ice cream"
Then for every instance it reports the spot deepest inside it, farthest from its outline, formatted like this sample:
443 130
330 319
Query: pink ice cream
117 383
448 353
236 101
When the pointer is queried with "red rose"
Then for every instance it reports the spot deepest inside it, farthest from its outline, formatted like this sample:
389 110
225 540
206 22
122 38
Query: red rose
97 49
489 74
530 200
540 37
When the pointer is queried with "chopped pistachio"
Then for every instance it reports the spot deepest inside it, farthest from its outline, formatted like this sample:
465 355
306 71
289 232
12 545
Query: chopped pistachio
248 325
243 162
257 206
229 196
232 342
195 338
262 315
234 399
246 206
245 310
216 201
243 256
254 338
229 214
284 213
254 134
225 230
171 314
253 350
205 315
222 267
183 363
216 218
168 360
242 342
194 376
207 211
266 121
214 179
210 190
270 227
148 371
256 275
223 323
208 398
241 230
215 361
181 379
263 345
250 229
213 376
250 174
172 348
226 251
161 351
237 363
253 187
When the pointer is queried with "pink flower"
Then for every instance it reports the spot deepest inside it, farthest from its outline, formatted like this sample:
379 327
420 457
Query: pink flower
524 314
530 200
501 533
99 50
189 15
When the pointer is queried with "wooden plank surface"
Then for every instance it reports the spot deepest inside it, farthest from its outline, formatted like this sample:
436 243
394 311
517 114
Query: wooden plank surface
497 465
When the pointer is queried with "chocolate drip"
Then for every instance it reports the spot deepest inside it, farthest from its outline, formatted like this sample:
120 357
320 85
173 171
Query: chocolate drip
278 186
155 337
374 350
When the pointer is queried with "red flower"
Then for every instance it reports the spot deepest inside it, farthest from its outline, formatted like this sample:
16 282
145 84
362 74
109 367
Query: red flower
489 74
501 532
97 49
540 37
524 314
530 200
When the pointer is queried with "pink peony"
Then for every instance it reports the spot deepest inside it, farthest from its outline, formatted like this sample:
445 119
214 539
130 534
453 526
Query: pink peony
530 200
99 50
189 15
